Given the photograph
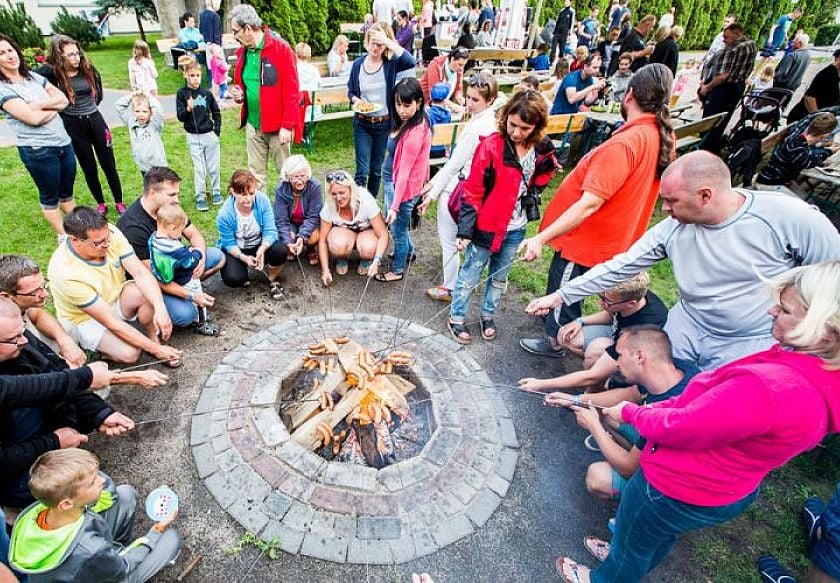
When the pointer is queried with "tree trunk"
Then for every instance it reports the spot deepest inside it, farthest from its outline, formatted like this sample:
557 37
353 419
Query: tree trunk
140 26
168 13
227 6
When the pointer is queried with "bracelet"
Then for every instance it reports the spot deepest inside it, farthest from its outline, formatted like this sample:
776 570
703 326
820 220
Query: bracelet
191 295
377 258
577 400
579 321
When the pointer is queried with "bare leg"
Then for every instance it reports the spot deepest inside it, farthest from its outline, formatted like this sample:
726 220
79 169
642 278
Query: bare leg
341 242
599 480
132 303
53 217
366 244
273 272
816 575
574 345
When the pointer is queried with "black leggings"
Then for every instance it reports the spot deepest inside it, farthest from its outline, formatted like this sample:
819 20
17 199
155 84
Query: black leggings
235 272
90 134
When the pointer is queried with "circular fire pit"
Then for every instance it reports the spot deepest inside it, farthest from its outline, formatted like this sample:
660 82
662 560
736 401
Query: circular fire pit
279 489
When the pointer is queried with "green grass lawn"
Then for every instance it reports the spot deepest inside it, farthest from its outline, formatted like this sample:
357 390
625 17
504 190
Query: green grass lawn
726 554
111 59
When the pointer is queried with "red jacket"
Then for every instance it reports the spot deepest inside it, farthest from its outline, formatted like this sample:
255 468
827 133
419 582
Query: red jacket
279 91
492 188
436 73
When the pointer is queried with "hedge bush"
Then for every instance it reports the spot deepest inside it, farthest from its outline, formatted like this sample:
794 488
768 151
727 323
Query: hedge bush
19 26
76 27
826 34
317 21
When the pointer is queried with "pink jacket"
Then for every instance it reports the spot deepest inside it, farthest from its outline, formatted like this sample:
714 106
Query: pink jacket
411 163
713 444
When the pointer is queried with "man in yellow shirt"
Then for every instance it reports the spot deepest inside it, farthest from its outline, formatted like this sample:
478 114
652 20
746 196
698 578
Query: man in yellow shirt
94 302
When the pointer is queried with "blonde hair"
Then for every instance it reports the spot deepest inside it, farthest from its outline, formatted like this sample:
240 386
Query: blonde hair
767 73
634 289
354 193
387 30
143 48
59 474
818 287
303 51
171 215
340 39
677 32
582 52
294 164
141 99
661 33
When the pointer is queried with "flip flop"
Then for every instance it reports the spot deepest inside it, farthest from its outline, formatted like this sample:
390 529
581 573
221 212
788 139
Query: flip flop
560 564
389 277
342 266
597 548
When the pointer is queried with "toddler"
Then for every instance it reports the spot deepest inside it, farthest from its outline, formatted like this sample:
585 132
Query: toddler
142 73
218 71
142 116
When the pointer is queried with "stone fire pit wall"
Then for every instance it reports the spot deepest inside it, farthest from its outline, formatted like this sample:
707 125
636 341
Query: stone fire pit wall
341 512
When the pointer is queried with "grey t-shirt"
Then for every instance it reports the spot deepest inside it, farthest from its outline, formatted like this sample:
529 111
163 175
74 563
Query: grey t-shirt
32 89
372 89
85 105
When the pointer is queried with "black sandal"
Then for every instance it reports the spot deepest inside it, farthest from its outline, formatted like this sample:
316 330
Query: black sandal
487 324
276 291
206 328
389 277
457 329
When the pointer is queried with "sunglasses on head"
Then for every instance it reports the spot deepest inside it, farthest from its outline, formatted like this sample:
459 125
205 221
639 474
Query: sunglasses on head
338 176
478 80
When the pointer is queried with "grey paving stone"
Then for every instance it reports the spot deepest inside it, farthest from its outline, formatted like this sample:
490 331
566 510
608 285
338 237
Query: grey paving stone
218 486
506 465
290 539
290 451
452 529
508 432
247 483
200 429
308 464
229 459
218 426
206 400
276 505
375 527
299 516
369 552
450 504
483 506
344 526
268 425
351 476
424 544
249 515
464 492
205 460
498 484
323 523
324 547
482 465
402 549
220 443
390 478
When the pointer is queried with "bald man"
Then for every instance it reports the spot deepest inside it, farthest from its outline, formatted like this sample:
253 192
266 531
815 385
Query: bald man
723 243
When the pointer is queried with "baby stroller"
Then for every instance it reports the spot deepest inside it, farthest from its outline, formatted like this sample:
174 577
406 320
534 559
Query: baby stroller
762 111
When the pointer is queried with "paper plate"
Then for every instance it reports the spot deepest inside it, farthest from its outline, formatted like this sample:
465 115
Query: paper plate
376 107
161 504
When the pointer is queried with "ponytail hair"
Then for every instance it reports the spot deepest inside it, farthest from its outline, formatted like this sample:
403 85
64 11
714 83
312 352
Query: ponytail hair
651 87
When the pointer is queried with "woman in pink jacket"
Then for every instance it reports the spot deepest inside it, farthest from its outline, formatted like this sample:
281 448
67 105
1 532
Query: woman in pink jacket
709 448
406 169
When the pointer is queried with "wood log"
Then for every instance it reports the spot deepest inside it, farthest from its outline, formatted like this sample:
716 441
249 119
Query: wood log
307 434
308 406
404 386
387 392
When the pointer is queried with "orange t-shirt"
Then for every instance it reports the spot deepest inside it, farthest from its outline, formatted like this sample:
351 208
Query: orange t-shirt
622 171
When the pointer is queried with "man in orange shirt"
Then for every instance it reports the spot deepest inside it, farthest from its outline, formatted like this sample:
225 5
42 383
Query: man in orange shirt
604 205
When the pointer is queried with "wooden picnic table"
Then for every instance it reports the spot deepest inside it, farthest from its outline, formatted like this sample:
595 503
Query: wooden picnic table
823 184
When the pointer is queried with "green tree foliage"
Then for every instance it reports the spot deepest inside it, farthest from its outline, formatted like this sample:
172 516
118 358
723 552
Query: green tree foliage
19 26
76 27
142 9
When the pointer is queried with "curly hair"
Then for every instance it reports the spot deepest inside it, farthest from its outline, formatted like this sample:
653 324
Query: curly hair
59 64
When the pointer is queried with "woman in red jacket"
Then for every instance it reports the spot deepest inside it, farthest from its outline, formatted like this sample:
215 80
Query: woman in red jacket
510 169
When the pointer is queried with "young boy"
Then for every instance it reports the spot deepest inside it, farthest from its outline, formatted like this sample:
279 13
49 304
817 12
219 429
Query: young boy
142 116
540 62
621 78
198 110
438 113
170 261
80 528
798 152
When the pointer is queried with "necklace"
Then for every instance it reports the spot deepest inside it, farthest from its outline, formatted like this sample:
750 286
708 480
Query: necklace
375 71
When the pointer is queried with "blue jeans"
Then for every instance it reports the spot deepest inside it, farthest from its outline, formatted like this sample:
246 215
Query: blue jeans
53 168
182 311
403 246
475 260
826 551
647 526
369 141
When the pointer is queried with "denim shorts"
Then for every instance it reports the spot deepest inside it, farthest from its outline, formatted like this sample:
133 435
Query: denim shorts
53 168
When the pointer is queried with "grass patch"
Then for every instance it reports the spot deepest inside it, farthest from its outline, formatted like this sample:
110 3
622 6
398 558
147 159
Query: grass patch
111 60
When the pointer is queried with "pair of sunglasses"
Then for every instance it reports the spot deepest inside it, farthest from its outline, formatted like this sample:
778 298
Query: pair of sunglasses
338 176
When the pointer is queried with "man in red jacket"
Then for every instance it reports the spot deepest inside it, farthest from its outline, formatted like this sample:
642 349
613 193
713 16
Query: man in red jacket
606 201
266 84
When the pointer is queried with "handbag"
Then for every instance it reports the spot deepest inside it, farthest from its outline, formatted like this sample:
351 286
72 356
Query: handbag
456 199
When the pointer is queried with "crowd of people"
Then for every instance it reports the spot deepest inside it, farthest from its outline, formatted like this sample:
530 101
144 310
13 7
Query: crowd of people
698 403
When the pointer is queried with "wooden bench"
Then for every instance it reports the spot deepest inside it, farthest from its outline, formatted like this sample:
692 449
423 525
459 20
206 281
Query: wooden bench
353 32
690 136
333 98
165 45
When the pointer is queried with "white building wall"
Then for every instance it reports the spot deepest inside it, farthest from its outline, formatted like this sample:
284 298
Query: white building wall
45 11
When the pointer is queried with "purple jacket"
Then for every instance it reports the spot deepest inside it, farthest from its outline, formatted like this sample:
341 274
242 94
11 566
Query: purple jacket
311 201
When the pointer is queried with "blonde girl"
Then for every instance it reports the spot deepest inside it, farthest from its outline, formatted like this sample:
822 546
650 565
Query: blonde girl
142 73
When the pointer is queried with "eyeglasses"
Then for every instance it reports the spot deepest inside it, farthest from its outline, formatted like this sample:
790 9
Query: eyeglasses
459 53
478 80
608 304
17 341
236 31
43 288
103 244
72 55
338 176
298 178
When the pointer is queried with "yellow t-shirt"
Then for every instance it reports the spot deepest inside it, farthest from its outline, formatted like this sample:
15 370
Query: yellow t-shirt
76 283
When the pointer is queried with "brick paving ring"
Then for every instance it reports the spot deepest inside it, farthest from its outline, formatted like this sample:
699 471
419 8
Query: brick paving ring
343 512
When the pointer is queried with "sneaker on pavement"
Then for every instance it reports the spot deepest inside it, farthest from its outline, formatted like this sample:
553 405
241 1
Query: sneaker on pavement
201 204
771 570
217 198
541 347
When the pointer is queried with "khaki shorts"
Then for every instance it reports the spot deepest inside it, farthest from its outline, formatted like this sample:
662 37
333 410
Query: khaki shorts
89 333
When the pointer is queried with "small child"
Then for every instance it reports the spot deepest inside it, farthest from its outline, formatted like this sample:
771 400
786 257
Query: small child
438 113
798 152
142 73
170 261
541 61
762 80
142 116
529 83
621 78
688 75
198 110
80 527
218 71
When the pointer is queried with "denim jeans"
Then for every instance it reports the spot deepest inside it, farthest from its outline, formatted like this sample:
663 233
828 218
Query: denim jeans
826 551
647 526
476 258
369 141
54 171
403 246
182 311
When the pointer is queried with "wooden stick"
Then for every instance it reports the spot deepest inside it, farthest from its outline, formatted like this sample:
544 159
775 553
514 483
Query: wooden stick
190 566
